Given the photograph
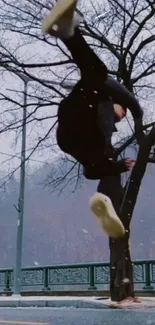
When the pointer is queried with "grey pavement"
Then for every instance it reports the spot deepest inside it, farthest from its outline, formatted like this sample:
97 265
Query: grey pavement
74 302
72 316
57 302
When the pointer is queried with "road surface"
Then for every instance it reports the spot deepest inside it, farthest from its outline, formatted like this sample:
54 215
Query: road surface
71 316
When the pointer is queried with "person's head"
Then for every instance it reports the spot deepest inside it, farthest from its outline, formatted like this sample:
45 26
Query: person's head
120 112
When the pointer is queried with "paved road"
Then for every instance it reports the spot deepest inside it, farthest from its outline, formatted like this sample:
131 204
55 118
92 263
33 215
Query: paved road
70 316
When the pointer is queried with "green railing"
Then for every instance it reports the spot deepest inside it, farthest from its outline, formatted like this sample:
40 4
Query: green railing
93 276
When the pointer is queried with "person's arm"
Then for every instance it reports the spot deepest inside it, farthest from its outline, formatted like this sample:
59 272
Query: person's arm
108 167
124 97
121 95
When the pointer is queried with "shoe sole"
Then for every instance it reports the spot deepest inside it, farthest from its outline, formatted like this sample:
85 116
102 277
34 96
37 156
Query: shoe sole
63 7
102 207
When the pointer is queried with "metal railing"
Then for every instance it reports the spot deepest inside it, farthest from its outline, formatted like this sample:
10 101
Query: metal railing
95 276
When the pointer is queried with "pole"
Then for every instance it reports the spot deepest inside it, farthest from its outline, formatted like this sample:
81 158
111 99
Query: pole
18 261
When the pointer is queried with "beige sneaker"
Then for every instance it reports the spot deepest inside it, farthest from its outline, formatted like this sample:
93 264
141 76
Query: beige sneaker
62 19
102 207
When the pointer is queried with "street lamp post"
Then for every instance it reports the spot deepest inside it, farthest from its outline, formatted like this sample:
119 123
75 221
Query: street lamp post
20 209
19 240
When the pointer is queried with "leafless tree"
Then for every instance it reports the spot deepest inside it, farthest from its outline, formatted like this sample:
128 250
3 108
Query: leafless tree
123 37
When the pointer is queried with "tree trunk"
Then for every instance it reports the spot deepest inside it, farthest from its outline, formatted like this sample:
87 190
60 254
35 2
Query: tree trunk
120 260
121 273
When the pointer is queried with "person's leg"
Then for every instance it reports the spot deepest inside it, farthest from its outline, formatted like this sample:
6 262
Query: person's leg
111 186
91 67
89 92
101 205
93 75
63 23
106 205
77 134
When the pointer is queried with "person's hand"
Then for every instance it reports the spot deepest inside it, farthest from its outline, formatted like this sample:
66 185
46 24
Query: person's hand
126 164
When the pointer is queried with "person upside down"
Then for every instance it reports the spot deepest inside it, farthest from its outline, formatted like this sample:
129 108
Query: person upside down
87 116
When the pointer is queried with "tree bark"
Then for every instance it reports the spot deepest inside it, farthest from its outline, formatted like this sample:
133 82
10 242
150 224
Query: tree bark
121 271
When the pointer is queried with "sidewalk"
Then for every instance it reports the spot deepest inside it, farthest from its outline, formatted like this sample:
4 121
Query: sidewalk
57 302
75 302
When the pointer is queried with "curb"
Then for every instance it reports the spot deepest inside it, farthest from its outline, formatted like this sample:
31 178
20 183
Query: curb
53 303
65 293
